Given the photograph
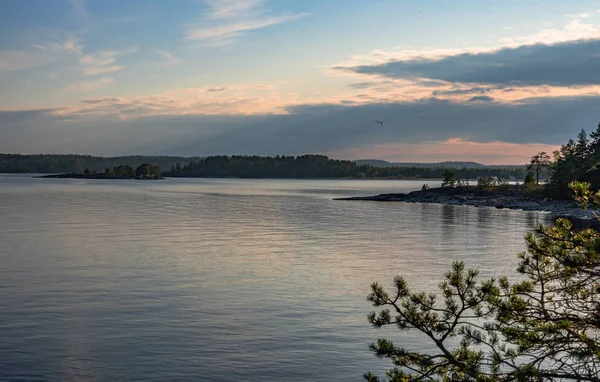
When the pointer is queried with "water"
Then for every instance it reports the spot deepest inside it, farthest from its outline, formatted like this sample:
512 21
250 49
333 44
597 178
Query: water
219 280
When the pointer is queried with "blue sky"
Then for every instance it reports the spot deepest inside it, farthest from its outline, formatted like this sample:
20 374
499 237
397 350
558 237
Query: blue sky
452 80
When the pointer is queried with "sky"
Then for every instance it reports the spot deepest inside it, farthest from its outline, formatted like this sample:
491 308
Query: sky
492 82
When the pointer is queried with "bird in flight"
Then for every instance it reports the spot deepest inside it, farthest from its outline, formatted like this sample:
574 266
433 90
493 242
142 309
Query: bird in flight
378 121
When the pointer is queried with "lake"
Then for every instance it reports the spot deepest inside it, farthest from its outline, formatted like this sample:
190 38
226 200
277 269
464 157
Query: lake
220 279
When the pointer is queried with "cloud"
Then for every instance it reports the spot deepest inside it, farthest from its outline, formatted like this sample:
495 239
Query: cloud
387 90
369 84
230 19
480 99
70 46
95 70
225 34
86 86
101 100
461 91
69 49
217 89
429 129
40 55
169 59
222 9
573 30
248 99
102 62
583 15
530 65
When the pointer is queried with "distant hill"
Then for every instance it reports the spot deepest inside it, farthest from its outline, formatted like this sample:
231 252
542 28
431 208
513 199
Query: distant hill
447 164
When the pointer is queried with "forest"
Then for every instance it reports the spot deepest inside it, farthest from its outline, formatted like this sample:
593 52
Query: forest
72 163
242 166
320 166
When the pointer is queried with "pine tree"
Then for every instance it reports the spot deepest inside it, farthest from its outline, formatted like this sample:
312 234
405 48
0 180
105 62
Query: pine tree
542 328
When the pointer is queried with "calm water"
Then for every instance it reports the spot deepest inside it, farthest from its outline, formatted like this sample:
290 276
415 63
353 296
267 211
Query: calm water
218 280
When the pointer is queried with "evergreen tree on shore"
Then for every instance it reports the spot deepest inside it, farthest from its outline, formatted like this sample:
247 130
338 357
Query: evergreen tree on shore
544 327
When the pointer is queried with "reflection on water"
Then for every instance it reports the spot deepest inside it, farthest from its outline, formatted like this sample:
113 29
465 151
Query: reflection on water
219 279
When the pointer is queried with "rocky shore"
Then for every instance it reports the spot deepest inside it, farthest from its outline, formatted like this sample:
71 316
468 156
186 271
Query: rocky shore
512 197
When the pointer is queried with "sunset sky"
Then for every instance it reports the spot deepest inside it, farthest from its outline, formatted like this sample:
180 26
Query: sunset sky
493 82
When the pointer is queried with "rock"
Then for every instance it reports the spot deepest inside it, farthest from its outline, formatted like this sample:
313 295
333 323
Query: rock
473 196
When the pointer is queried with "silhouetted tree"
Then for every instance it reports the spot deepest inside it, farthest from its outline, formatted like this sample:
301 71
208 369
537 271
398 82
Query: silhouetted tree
538 162
449 178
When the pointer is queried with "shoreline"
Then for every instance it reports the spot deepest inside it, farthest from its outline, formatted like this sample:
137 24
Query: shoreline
512 198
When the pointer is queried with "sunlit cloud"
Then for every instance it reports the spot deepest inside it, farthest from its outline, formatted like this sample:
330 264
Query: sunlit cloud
251 99
572 31
517 69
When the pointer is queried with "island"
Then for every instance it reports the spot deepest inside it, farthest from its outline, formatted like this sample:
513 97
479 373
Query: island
514 197
577 162
145 171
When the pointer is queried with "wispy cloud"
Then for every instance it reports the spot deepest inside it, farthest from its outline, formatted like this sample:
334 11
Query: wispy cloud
222 9
86 86
39 55
584 15
70 45
169 59
80 7
230 19
102 61
92 64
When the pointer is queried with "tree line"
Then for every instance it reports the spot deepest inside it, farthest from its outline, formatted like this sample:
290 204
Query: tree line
72 163
318 166
241 166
